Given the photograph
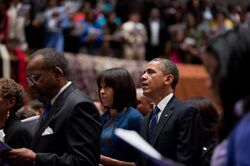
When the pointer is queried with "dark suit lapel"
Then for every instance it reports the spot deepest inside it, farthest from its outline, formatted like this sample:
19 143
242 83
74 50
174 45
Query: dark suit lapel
165 116
55 108
144 134
144 128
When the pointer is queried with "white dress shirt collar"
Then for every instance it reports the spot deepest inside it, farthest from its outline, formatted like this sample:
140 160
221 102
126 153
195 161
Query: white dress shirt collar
163 103
61 90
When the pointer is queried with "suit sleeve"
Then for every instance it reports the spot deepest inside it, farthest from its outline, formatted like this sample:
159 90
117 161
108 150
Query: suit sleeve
189 141
82 135
21 138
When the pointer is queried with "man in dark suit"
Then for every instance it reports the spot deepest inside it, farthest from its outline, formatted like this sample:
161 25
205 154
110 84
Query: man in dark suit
157 34
177 130
69 131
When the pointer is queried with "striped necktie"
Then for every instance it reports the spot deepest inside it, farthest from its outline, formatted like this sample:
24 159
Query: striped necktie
153 123
46 110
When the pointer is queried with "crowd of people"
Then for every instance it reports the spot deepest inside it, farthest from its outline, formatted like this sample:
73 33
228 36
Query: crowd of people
124 29
72 131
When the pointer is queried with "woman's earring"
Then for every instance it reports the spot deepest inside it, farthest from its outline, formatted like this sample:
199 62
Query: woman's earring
8 114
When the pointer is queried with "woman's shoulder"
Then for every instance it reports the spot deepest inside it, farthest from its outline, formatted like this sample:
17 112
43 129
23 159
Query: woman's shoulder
134 113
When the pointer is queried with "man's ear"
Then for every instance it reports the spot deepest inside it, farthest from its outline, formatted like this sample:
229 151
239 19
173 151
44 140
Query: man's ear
169 78
58 72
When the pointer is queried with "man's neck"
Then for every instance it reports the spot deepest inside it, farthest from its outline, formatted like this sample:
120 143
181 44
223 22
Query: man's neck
60 91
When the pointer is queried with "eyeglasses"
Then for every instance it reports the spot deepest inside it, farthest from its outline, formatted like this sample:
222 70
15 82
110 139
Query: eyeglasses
35 77
32 78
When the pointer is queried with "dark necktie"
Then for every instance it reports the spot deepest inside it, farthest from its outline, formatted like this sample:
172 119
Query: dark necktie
46 110
153 123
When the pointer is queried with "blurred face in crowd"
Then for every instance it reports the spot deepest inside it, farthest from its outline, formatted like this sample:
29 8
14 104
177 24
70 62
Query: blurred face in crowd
106 95
191 22
154 13
220 17
144 105
42 81
135 17
52 3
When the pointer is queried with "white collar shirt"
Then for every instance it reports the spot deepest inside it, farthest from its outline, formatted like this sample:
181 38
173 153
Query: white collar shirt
163 103
61 90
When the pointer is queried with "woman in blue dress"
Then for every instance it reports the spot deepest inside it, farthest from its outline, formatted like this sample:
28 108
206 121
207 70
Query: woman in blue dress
118 95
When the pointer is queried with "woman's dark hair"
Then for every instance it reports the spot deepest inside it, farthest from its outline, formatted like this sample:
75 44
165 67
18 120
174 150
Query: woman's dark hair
122 84
209 116
231 82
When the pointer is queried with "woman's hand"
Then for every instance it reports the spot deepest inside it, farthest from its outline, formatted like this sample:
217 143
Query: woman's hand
108 161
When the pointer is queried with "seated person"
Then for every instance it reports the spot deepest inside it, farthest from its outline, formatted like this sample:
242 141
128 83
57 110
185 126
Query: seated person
210 120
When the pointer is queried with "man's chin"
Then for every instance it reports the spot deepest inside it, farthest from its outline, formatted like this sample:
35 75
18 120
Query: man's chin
146 93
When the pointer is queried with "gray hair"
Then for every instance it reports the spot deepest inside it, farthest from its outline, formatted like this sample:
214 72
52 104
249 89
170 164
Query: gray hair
53 58
168 67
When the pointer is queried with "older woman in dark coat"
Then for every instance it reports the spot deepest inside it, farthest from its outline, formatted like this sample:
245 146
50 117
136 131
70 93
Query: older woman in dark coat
11 99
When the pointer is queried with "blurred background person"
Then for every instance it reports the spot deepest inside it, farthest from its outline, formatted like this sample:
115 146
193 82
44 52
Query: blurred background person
118 95
220 22
112 34
192 39
55 21
33 108
157 34
210 119
92 33
12 96
144 104
134 37
226 57
18 13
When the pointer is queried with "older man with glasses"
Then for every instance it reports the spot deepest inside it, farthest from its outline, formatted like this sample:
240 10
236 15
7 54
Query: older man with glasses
70 128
